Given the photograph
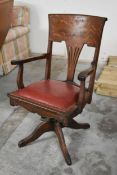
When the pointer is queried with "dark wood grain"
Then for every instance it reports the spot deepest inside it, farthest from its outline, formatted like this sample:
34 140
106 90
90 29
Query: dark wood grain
59 133
20 83
76 31
75 125
38 131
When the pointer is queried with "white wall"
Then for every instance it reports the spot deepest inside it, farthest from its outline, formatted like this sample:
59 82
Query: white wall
39 22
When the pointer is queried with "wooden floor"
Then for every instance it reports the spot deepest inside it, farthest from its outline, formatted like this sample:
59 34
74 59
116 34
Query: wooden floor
107 82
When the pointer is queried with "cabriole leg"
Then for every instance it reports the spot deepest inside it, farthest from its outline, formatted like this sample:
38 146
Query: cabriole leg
74 125
60 136
39 130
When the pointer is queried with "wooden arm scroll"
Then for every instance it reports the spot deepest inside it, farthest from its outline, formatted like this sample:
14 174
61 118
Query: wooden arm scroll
84 74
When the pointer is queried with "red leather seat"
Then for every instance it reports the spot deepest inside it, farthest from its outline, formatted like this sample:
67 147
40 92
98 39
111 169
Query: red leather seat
61 95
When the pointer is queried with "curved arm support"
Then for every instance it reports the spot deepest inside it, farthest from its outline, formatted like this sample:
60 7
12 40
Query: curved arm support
84 74
81 98
20 83
20 63
82 77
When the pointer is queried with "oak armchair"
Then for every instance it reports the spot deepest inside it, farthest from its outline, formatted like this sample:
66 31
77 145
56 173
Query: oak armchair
58 102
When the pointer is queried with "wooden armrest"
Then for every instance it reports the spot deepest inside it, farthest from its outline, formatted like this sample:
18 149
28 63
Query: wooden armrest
82 77
84 74
29 59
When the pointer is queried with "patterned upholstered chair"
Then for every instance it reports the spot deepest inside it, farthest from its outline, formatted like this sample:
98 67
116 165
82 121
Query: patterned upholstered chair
16 44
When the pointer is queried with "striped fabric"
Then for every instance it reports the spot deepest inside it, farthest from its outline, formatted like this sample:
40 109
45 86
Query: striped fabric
18 48
21 16
16 32
16 44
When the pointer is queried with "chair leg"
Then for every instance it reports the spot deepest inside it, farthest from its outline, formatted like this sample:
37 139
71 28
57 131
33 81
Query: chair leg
59 133
74 125
51 125
39 130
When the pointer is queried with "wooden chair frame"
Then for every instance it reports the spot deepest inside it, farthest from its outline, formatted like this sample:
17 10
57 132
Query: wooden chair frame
75 30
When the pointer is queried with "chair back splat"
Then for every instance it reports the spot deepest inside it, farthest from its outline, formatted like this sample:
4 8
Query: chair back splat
58 102
75 30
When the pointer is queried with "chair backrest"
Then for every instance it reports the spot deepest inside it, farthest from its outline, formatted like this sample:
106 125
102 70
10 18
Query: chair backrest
5 18
76 30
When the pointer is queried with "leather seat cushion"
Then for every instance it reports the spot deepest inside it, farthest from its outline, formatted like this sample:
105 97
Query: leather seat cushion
57 94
